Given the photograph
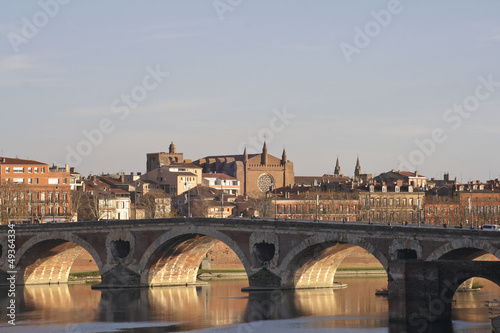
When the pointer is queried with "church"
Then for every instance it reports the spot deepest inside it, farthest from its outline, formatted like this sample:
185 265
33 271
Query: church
257 173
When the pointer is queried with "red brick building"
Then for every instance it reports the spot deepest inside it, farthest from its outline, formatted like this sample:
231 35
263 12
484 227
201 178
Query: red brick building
31 191
473 204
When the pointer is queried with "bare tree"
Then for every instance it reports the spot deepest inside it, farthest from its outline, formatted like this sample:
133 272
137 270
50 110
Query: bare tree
13 202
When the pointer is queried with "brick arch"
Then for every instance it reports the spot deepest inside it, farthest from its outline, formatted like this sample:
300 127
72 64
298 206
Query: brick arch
453 274
174 257
314 261
463 248
44 267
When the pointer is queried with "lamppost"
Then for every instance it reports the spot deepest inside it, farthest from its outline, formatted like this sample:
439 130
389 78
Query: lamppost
317 201
471 209
54 204
369 205
418 206
136 201
221 200
189 199
275 202
30 198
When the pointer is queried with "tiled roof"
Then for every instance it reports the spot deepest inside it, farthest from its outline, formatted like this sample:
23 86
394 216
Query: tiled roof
8 160
218 175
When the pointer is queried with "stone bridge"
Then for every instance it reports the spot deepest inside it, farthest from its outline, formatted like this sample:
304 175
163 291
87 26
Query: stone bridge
425 265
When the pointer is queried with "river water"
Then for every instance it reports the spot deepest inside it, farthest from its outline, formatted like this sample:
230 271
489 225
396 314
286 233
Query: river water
221 306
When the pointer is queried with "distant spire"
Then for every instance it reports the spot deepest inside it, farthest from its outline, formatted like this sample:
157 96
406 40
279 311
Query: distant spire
357 169
264 158
337 171
245 155
283 157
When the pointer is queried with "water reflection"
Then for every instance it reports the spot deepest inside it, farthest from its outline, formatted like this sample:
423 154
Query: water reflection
221 303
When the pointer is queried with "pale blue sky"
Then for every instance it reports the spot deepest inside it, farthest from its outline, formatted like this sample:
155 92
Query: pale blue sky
227 79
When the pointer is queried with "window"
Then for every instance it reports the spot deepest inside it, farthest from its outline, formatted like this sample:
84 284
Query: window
42 169
36 180
18 180
36 170
65 180
30 181
53 181
18 170
7 169
30 170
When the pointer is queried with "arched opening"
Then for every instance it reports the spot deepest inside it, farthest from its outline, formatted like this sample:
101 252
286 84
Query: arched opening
476 300
317 266
468 253
52 261
177 260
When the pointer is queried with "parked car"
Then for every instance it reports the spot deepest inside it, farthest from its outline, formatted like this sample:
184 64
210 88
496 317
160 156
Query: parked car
491 227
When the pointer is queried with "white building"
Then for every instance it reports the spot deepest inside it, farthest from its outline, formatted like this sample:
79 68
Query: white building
221 181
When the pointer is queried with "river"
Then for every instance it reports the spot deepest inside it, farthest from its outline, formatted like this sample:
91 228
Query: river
221 306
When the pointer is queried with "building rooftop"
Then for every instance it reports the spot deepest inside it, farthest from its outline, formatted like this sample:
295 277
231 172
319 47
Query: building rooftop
218 175
8 160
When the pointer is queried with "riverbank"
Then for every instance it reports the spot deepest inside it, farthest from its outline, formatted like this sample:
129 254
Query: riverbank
208 274
84 277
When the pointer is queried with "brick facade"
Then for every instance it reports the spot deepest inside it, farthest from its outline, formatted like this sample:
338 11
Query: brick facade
33 191
257 173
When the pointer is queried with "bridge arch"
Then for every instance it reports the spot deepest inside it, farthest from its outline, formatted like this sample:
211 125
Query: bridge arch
174 257
463 249
37 265
313 262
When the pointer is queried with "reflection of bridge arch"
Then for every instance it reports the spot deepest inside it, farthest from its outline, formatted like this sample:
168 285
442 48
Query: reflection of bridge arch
174 257
314 262
48 258
463 249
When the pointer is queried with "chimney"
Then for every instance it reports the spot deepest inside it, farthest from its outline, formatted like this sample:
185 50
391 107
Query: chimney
416 173
67 167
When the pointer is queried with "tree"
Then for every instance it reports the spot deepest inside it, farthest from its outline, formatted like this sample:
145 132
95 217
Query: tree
14 202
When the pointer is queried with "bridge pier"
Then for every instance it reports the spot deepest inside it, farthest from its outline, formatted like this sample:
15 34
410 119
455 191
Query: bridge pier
416 294
119 277
421 292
